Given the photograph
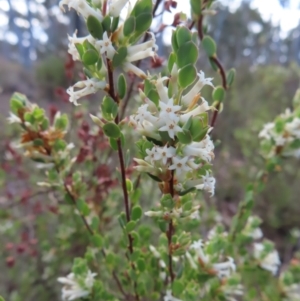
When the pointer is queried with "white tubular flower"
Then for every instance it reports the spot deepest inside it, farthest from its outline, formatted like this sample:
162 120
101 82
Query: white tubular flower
115 7
161 89
180 165
293 127
203 107
164 153
225 269
169 297
171 127
144 166
266 132
154 251
202 81
254 232
143 114
208 184
13 118
191 260
106 46
203 149
142 51
270 262
73 290
198 247
168 110
82 8
89 86
74 40
129 67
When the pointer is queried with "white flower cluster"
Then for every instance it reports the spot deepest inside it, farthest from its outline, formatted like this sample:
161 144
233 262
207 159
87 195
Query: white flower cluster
105 47
76 287
269 261
283 135
222 269
170 116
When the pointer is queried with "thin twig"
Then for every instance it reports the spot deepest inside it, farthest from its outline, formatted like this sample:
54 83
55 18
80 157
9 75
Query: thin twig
122 166
221 70
171 230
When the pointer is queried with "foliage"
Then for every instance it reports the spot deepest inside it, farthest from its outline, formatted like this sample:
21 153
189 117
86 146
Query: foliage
131 231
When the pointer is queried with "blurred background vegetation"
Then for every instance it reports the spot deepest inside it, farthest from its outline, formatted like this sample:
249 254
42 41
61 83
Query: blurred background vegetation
33 53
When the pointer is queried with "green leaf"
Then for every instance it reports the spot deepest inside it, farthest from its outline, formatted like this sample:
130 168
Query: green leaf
95 224
109 108
61 123
230 76
187 54
184 137
119 56
59 145
177 287
113 144
122 219
83 207
141 264
80 49
171 61
17 102
183 35
218 94
38 142
187 75
196 127
99 63
142 6
45 124
136 213
143 22
97 240
167 201
153 96
90 57
106 23
213 65
174 41
157 179
129 185
111 130
1 298
129 26
196 7
68 199
184 192
209 45
115 24
130 226
29 118
122 86
94 27
38 114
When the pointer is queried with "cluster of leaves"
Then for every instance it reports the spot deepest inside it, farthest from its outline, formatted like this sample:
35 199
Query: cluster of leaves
127 265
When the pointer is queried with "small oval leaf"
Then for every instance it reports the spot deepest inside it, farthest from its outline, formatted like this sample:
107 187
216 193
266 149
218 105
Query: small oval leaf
187 54
187 75
129 26
90 57
122 87
209 45
111 130
119 57
94 27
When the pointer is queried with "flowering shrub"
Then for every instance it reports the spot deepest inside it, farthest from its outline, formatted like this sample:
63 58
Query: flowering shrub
141 250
